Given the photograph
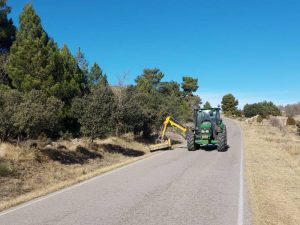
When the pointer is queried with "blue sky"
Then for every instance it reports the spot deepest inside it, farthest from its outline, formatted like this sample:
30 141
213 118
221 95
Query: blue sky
248 48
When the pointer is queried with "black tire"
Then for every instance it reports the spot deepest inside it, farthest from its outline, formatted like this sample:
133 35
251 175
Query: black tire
222 141
190 139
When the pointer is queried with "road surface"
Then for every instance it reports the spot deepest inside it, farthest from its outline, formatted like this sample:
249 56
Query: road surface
173 187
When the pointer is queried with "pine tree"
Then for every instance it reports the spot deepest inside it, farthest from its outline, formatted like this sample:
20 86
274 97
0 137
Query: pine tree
97 77
7 36
82 63
229 104
33 57
149 81
189 85
207 105
171 88
4 79
7 28
71 81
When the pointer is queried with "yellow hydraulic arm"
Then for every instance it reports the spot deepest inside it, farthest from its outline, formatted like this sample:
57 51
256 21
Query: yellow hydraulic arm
167 143
173 123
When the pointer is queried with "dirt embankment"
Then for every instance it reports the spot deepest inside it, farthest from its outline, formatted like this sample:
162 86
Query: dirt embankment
272 154
36 168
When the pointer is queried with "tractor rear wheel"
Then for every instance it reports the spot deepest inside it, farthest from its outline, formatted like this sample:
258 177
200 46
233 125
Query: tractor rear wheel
190 139
222 141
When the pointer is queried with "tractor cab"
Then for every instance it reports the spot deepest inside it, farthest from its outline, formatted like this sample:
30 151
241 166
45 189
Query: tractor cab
209 129
208 114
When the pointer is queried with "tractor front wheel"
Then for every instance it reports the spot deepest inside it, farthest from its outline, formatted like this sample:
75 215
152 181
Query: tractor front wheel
190 139
222 141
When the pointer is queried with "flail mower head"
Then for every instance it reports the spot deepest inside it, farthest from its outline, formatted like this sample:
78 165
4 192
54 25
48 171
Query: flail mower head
161 145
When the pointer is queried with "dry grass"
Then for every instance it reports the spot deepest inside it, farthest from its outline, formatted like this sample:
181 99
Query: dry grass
273 168
29 171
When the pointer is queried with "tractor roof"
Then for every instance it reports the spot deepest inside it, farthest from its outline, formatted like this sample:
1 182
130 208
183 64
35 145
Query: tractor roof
200 109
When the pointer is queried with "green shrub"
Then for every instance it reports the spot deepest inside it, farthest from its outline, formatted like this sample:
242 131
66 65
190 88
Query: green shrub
37 113
290 121
259 119
9 102
29 114
95 112
264 109
5 170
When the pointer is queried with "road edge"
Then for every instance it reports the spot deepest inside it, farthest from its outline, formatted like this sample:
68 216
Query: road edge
241 188
69 185
244 209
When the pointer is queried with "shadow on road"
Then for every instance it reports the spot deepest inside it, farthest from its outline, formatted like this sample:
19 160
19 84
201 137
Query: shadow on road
210 148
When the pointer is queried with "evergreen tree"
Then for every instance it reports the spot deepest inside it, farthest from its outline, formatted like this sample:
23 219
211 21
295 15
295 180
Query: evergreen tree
4 79
82 63
97 77
150 99
229 104
207 105
170 88
189 85
149 81
7 36
129 114
7 28
33 56
71 81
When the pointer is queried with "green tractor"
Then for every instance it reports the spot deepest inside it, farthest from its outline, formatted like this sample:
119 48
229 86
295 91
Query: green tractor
209 129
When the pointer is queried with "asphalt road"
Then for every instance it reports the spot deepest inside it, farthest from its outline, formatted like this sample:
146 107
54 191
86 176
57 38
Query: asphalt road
173 187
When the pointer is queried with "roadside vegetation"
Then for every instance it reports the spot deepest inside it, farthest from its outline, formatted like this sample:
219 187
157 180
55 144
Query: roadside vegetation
60 119
62 122
272 157
45 89
27 172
